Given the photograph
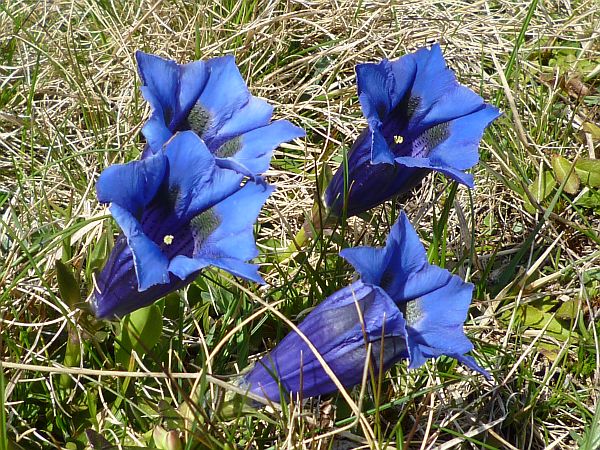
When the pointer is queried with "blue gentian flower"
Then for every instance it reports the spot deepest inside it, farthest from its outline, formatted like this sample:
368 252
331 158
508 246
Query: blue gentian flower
334 327
414 309
211 98
433 302
419 119
179 212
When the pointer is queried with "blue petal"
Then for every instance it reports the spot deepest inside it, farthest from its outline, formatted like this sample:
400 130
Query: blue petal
161 85
369 184
252 151
435 318
464 134
238 268
224 235
443 300
391 266
224 94
407 255
471 364
456 102
255 114
234 235
378 95
132 186
375 84
382 86
426 163
117 291
194 178
369 262
404 71
193 78
161 76
155 130
172 90
334 327
380 150
151 265
432 80
183 266
456 149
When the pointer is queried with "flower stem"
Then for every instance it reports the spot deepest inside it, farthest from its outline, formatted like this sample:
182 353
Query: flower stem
298 242
320 220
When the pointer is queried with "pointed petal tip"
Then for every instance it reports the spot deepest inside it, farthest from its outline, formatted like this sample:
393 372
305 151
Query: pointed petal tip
470 362
299 131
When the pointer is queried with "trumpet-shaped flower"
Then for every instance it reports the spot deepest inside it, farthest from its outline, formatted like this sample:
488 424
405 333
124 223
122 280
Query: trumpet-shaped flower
419 119
413 309
211 98
433 302
179 213
335 329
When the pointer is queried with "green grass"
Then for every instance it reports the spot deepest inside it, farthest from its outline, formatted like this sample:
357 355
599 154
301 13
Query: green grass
70 106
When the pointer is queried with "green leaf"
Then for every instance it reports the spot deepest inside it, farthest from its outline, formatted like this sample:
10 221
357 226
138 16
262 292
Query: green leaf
589 199
540 189
67 284
99 253
591 275
589 171
593 129
172 306
72 356
534 318
563 171
140 331
591 438
170 417
568 309
549 350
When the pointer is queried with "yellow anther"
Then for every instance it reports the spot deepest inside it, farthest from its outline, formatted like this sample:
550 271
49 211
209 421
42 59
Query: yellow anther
398 139
168 239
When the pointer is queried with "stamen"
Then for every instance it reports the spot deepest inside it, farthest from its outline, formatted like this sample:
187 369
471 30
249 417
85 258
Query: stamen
168 239
398 139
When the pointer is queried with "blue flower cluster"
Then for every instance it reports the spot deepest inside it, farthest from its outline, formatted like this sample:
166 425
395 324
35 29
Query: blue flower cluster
192 199
402 306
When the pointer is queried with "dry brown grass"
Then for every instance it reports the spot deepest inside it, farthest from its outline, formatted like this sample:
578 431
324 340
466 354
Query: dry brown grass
70 105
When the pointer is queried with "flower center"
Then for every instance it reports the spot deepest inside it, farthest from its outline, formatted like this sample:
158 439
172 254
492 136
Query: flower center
168 239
